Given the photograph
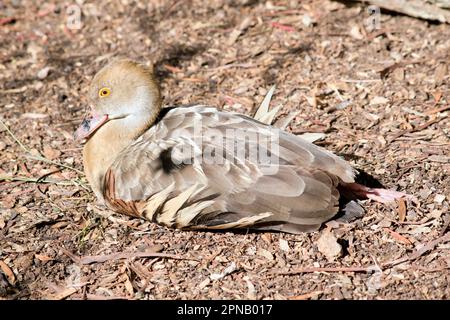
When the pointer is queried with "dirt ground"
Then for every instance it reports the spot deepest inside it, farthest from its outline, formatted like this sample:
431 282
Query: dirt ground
379 91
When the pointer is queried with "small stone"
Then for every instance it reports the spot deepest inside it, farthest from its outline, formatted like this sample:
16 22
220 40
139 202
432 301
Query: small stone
356 33
69 160
378 100
265 253
439 198
43 73
328 245
307 20
284 245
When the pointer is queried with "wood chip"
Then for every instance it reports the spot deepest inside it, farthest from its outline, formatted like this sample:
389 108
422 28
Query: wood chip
401 209
378 100
62 294
43 258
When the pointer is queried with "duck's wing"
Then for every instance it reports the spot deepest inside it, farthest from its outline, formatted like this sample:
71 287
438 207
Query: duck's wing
196 168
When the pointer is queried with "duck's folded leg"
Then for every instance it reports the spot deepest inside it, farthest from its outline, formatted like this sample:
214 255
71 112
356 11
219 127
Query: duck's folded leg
360 191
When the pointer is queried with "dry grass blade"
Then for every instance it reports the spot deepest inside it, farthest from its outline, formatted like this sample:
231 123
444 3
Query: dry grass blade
33 157
43 159
14 137
263 110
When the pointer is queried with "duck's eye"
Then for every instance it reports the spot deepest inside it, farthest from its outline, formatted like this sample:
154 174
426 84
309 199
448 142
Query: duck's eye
104 92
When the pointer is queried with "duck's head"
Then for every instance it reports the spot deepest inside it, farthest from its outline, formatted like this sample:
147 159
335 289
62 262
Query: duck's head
124 92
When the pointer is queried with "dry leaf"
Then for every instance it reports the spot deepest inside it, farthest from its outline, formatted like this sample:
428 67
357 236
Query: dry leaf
397 236
8 201
63 294
129 285
251 293
312 101
237 32
267 237
399 74
437 96
419 230
43 258
204 283
51 153
8 272
230 269
440 73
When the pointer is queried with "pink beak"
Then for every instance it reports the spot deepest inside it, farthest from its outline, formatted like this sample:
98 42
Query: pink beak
89 125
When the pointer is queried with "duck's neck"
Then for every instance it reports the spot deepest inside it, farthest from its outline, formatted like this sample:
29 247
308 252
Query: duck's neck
105 145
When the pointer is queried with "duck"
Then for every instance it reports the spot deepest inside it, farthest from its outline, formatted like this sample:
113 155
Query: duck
195 167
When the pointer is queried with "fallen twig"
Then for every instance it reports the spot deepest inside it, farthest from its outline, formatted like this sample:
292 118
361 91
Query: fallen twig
306 295
437 110
413 256
419 252
419 128
39 180
328 269
122 255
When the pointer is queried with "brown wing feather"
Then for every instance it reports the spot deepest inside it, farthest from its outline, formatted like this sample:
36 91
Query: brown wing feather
117 204
234 192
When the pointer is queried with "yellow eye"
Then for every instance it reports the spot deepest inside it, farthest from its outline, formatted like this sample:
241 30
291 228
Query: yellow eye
104 92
